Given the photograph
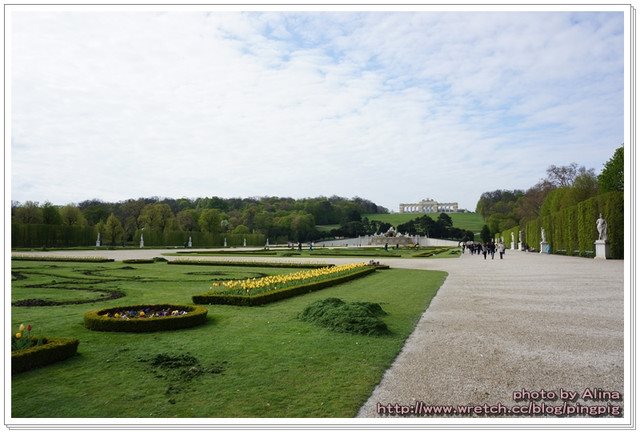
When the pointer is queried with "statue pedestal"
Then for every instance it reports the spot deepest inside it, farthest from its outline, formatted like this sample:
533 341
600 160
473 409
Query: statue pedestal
521 246
513 245
602 249
544 247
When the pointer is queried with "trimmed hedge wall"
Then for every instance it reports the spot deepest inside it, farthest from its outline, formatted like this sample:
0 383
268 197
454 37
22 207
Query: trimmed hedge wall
61 259
93 320
37 235
572 230
198 239
250 264
53 350
279 294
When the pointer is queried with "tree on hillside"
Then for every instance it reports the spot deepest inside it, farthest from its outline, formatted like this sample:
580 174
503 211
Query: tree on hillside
113 231
72 216
241 229
445 219
612 176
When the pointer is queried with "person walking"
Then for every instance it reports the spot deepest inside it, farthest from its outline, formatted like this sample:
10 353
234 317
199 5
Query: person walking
485 248
492 248
501 249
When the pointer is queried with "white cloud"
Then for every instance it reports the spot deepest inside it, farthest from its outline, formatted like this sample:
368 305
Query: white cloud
393 107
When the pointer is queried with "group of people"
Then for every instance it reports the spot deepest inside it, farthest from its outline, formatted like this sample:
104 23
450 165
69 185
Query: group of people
484 249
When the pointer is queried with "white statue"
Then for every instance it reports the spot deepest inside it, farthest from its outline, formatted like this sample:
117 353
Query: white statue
513 238
225 241
141 241
520 237
543 235
601 224
244 243
98 240
267 242
189 243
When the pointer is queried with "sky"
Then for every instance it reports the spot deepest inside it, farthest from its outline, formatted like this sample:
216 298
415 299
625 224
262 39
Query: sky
389 106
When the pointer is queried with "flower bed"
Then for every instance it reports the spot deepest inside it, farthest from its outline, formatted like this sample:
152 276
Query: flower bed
61 258
29 352
145 318
270 292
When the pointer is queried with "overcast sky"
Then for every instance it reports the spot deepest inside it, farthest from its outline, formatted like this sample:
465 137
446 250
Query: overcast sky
391 107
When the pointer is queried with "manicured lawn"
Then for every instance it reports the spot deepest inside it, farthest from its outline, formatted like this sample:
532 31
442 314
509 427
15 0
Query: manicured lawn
254 361
468 220
320 252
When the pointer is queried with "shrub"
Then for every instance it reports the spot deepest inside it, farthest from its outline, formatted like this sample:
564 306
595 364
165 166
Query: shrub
356 317
278 294
50 351
138 261
98 321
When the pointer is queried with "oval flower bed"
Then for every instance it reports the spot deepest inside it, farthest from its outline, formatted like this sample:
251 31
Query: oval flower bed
145 318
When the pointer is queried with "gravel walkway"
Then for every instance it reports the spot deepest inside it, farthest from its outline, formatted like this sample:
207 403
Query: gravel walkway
528 321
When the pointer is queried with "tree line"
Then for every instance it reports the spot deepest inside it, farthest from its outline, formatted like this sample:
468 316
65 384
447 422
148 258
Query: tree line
563 187
273 217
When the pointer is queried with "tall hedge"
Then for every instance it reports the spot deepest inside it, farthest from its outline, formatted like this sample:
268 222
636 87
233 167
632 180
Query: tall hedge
573 229
198 239
40 235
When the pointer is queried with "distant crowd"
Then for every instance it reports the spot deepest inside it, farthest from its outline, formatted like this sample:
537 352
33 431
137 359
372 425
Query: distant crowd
484 249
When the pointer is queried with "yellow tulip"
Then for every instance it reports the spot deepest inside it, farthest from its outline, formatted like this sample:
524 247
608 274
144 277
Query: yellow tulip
18 335
21 327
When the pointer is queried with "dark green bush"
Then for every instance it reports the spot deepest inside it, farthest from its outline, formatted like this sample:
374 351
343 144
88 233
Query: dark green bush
356 317
52 350
40 235
94 319
138 261
278 294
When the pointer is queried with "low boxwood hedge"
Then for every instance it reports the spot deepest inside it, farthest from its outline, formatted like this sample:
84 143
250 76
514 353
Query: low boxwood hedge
250 264
50 351
278 294
138 261
94 319
60 258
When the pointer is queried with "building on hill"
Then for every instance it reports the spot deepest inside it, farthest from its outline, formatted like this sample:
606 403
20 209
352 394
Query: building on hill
429 205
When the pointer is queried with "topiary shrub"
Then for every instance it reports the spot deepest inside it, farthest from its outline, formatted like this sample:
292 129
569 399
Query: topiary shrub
50 350
138 261
356 317
147 318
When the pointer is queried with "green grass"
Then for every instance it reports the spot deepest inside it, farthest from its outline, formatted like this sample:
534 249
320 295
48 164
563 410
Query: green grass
468 220
252 362
318 251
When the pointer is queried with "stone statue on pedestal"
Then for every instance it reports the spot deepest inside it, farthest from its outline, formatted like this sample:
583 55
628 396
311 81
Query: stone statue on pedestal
543 235
601 225
98 240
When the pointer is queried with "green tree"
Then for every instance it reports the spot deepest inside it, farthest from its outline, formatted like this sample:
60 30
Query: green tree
210 220
612 176
72 216
240 229
113 231
485 234
187 220
29 213
50 214
155 216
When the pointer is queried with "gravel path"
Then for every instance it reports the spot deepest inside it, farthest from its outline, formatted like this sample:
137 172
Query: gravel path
529 321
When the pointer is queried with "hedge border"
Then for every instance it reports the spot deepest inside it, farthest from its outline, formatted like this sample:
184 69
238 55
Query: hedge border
251 264
60 259
197 315
279 294
54 350
138 261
